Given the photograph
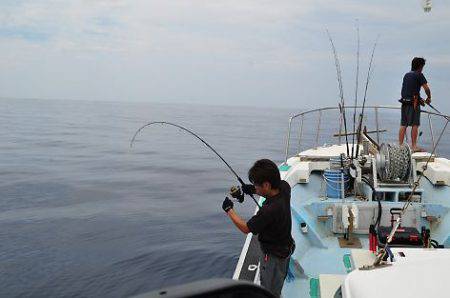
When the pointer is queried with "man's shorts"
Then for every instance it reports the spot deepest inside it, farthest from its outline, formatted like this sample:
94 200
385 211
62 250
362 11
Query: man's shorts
272 272
410 116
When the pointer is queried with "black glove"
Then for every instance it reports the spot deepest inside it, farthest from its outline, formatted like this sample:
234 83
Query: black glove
248 189
227 205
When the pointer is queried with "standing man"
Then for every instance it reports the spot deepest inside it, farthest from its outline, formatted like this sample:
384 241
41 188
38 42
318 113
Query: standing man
272 223
411 101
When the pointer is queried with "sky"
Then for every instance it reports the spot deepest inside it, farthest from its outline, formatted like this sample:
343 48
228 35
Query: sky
250 53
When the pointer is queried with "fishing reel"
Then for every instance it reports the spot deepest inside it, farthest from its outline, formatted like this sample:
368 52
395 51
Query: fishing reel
236 192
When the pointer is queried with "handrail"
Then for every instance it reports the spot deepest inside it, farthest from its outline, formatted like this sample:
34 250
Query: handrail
366 107
302 114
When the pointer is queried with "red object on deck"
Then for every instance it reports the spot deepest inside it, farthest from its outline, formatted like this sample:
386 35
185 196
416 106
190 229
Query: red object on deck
373 242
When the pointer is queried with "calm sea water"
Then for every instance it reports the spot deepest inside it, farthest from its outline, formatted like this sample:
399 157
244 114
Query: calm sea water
82 214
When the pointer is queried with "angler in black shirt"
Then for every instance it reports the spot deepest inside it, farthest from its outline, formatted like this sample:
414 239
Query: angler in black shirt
411 101
272 223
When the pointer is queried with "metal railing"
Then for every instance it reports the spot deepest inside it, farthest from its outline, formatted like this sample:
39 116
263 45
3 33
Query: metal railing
376 110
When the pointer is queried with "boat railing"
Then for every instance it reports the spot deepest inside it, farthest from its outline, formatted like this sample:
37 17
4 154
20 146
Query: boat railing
320 111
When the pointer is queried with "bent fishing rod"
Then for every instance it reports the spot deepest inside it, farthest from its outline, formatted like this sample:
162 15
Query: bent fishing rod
199 138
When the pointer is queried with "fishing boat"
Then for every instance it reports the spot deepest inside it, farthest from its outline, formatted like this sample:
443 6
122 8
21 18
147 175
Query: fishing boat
369 218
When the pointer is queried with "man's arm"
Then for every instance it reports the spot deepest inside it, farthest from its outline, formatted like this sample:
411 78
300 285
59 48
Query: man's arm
428 92
239 222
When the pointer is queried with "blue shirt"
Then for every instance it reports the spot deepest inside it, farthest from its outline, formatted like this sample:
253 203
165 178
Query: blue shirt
412 81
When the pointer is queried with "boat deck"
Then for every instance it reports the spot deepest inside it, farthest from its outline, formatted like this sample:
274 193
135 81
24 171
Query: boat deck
319 263
318 252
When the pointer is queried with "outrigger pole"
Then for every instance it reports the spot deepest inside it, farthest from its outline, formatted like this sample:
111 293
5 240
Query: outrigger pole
341 89
198 137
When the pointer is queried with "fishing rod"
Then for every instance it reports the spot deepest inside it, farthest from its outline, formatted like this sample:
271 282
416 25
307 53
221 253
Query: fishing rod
341 88
199 138
361 116
431 106
356 87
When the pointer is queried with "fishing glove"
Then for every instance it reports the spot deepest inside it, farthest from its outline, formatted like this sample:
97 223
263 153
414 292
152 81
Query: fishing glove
248 189
227 205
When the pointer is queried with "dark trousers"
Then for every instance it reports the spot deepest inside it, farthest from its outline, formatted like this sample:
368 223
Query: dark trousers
273 271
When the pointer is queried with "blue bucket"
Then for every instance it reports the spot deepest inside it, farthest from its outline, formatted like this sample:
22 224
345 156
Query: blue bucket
333 180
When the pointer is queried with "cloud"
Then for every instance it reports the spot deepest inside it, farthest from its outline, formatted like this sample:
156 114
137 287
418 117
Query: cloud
204 47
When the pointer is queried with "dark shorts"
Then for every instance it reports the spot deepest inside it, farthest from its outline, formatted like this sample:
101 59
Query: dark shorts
410 116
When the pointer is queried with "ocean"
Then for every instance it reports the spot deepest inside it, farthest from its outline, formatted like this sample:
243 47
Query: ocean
84 215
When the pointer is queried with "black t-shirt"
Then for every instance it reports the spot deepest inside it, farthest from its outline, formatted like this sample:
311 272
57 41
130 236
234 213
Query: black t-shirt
412 81
273 223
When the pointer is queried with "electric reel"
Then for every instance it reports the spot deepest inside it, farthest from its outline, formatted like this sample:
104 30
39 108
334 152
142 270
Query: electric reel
394 162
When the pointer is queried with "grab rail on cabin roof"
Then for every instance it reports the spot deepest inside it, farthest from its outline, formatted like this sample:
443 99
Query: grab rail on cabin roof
320 110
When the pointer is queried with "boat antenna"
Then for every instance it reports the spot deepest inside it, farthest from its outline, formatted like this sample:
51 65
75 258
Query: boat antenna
341 88
361 116
356 87
198 137
386 248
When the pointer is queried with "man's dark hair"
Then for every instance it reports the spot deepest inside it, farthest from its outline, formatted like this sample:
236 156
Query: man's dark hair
417 63
264 170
